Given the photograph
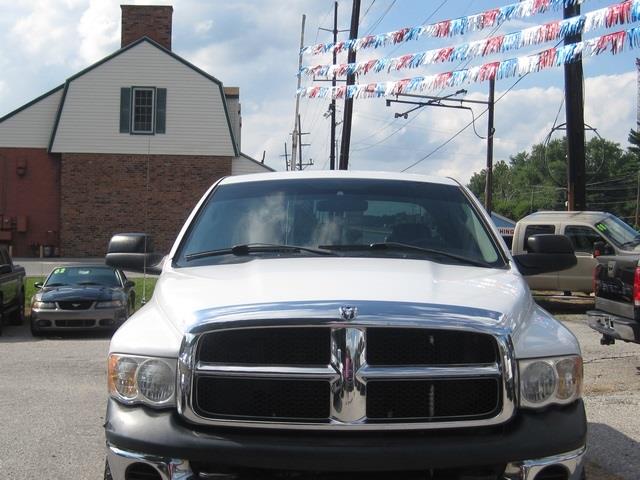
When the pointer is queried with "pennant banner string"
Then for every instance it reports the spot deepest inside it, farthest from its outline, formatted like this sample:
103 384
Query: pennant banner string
445 28
627 11
514 67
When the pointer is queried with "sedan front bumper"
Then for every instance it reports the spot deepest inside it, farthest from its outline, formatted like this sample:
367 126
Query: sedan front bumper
91 318
518 450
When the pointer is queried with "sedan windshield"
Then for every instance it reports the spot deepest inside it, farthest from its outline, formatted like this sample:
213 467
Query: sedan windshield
346 217
102 276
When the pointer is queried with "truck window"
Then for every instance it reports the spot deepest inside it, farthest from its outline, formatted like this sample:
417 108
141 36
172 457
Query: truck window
536 230
582 238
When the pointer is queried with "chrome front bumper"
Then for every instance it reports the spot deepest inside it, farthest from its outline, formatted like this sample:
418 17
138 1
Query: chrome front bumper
177 469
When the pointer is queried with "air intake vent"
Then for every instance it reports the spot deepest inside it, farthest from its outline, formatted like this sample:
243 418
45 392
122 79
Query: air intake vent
141 471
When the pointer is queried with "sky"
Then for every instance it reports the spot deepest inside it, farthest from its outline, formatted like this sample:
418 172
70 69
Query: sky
254 44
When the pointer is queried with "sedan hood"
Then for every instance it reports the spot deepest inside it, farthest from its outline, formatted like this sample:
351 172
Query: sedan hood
78 292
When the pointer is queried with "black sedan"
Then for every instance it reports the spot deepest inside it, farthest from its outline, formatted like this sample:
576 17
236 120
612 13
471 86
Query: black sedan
82 297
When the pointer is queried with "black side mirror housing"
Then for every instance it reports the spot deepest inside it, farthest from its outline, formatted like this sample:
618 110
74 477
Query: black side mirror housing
129 284
38 285
134 252
4 269
547 253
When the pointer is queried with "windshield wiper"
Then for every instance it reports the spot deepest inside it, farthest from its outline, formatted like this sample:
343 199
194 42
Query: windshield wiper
405 247
55 284
89 283
247 248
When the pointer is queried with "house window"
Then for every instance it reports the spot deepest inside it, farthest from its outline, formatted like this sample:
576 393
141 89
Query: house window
143 110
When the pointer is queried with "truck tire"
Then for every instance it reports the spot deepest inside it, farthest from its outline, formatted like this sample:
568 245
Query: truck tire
17 317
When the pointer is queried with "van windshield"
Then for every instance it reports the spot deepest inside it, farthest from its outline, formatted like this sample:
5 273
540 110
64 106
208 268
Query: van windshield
620 234
346 217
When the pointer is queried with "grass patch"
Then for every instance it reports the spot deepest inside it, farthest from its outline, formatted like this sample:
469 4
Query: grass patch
150 284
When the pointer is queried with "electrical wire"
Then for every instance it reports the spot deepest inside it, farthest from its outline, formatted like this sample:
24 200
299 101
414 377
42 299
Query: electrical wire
459 132
366 11
379 20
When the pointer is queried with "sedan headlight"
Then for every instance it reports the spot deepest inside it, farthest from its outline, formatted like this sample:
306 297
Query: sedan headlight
147 380
110 304
545 381
38 305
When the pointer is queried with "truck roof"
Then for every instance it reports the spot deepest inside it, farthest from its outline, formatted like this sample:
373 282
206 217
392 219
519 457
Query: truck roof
309 174
560 216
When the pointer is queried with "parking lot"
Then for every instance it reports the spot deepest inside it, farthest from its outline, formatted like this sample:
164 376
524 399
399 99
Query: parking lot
53 398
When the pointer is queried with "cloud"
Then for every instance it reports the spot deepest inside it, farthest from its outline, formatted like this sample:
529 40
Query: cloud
99 31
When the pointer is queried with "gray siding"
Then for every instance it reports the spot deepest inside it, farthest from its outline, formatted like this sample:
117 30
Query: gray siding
196 123
31 127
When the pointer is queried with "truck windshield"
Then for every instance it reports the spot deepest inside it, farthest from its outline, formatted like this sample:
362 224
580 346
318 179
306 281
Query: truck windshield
347 217
620 234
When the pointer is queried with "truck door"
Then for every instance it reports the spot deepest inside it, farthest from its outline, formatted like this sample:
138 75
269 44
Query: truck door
546 281
8 284
580 277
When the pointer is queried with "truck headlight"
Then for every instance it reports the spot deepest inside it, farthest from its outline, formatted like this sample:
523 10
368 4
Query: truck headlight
147 380
545 381
38 305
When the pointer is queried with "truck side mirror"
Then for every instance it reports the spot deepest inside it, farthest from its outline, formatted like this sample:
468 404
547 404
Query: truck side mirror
134 252
547 253
5 269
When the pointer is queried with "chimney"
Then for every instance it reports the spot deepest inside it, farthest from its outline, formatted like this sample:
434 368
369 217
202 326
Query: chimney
146 21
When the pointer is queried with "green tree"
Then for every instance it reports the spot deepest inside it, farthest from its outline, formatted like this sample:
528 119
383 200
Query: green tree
536 179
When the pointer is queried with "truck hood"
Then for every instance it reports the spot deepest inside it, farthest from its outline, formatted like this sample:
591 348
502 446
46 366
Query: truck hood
189 295
188 298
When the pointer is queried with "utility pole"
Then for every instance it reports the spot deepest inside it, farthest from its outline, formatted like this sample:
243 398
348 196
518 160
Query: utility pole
348 102
295 120
286 156
300 145
574 107
637 202
488 189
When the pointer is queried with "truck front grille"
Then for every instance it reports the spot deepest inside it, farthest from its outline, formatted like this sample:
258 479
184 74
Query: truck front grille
360 377
419 346
433 399
263 399
267 346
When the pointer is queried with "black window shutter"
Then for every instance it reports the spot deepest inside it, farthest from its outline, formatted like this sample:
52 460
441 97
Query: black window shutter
161 110
125 110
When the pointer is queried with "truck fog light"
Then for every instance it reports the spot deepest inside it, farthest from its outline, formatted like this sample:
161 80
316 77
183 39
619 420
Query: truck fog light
122 377
156 381
569 378
538 382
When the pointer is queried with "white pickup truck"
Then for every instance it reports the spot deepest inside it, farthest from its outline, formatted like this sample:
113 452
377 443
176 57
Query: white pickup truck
343 325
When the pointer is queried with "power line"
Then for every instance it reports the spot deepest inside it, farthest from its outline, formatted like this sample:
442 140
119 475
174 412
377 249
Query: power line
459 132
379 20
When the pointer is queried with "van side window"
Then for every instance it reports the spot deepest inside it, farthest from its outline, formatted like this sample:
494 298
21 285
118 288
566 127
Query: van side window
582 238
536 230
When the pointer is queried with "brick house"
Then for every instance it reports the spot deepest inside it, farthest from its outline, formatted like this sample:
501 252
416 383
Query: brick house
128 144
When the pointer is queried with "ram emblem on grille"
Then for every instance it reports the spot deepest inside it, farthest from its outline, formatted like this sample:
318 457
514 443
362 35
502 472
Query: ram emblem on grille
348 312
